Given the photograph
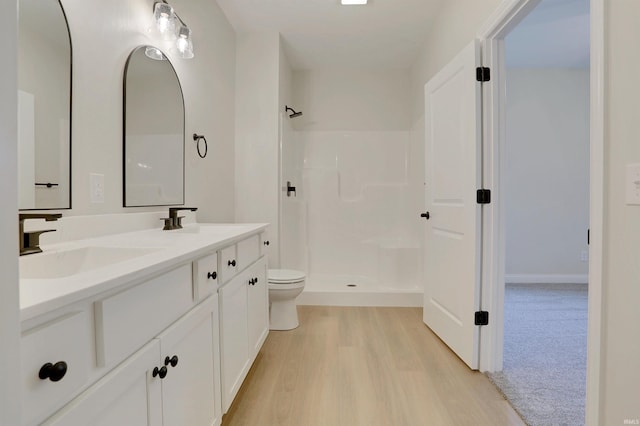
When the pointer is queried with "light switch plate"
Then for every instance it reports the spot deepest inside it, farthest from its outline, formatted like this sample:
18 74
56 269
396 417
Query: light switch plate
96 187
633 184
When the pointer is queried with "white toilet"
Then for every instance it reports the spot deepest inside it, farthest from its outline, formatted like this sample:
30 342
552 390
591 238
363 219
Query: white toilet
284 287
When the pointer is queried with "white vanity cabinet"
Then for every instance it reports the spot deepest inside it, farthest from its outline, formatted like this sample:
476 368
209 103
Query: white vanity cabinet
258 307
244 325
128 395
170 346
171 381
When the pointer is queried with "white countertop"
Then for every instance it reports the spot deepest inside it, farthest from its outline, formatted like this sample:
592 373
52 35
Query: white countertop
174 248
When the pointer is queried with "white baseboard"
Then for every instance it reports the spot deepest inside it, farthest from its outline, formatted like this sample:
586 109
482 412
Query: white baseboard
546 279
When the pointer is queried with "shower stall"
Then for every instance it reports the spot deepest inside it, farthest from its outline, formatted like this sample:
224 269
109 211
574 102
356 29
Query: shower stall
345 217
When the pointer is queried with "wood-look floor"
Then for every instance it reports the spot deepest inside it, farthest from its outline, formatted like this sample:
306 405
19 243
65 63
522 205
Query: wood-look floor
364 366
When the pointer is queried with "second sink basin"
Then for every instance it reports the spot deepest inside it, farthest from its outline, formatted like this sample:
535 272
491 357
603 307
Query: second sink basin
65 263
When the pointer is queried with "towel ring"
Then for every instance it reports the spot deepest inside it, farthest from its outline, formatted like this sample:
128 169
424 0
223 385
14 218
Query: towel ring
197 138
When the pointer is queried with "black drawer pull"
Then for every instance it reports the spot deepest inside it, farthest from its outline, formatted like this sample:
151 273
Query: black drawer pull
162 372
231 263
54 372
212 275
173 360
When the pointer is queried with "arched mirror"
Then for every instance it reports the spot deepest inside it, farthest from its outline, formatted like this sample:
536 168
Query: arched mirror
44 106
153 131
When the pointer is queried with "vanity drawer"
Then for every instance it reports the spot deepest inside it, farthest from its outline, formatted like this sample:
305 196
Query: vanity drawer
228 263
63 342
128 320
248 251
205 275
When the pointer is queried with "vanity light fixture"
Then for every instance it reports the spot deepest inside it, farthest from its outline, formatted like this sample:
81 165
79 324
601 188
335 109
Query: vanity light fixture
172 27
353 2
165 18
184 44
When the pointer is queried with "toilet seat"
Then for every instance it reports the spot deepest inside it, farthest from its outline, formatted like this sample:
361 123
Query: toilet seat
285 276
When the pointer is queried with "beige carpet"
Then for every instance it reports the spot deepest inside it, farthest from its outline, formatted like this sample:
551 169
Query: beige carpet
545 352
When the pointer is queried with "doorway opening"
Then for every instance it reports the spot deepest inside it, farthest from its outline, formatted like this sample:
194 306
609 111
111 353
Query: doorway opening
514 241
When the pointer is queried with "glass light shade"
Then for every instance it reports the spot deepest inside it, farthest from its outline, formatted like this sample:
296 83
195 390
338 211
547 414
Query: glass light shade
165 19
154 53
184 44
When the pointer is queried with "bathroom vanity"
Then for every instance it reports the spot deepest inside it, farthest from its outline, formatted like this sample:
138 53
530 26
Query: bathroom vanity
143 328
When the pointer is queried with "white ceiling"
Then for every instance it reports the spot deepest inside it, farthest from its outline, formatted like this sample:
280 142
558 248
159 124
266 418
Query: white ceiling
322 33
389 33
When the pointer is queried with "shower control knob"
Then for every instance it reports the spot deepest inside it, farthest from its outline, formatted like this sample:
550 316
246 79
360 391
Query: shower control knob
426 215
212 275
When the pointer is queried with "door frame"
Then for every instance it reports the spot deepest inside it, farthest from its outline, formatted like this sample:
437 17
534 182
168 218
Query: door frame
492 35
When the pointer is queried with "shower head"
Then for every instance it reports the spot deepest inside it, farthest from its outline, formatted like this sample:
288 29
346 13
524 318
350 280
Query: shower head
293 114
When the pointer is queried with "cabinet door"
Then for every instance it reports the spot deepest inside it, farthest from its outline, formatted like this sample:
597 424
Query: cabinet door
234 341
187 347
258 302
129 395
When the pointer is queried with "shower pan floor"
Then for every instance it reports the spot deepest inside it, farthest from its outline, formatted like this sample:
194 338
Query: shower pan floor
358 291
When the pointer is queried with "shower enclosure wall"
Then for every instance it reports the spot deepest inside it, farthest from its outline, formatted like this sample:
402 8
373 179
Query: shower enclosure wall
348 225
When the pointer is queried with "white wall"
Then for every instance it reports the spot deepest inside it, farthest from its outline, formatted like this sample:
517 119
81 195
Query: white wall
103 34
547 175
257 133
9 313
352 99
621 248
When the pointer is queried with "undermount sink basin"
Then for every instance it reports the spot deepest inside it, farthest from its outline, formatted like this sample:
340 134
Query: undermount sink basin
65 263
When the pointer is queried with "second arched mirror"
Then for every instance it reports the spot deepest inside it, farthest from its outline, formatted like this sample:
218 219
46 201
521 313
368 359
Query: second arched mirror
153 131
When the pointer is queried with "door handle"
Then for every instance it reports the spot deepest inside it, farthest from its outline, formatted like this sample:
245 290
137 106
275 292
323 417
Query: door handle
426 215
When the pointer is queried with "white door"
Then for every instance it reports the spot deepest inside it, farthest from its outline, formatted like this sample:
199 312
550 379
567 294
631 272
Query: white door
452 177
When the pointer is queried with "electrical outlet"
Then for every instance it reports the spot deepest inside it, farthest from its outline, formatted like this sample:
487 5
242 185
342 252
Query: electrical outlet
584 256
96 187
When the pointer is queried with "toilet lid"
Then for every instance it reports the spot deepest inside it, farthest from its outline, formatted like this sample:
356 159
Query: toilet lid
283 276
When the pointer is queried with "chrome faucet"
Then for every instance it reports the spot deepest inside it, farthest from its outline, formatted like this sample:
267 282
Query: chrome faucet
30 241
174 221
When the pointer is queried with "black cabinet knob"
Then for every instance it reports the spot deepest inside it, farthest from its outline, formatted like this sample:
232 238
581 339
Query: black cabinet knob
426 215
255 280
162 372
251 282
212 275
54 372
266 243
173 360
231 262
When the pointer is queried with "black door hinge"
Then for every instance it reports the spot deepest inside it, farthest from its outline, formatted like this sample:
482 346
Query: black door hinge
483 74
483 196
482 318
